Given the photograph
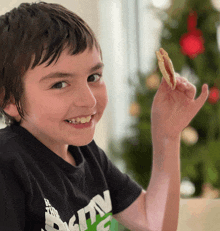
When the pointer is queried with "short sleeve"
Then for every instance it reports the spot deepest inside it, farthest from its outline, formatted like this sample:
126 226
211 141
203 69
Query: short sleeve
12 202
123 190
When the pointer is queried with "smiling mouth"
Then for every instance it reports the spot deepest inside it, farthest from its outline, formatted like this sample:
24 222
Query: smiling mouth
80 120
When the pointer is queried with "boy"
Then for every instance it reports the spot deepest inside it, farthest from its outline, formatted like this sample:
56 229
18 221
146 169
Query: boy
52 174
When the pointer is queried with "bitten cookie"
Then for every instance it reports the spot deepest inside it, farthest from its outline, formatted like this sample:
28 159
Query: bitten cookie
166 67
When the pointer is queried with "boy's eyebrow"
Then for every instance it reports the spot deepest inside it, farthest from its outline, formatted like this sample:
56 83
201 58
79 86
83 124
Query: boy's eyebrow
66 74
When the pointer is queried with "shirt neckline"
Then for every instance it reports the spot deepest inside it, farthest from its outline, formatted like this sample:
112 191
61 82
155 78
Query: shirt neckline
38 148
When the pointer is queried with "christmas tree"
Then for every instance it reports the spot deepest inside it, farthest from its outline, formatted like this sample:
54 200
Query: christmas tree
189 35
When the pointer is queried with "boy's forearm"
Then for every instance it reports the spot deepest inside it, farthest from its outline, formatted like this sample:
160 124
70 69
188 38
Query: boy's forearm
163 192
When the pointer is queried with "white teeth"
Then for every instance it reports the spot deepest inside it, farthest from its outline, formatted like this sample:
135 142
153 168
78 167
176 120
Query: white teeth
80 120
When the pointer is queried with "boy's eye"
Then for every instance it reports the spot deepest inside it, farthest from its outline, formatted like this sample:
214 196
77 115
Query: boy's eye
94 78
59 85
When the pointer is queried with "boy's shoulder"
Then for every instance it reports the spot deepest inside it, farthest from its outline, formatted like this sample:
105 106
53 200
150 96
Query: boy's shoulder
8 142
6 136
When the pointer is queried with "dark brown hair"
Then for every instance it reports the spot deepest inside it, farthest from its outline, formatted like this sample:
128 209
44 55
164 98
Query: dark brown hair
40 30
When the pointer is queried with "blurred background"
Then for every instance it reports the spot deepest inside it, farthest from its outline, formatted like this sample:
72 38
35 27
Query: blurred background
130 31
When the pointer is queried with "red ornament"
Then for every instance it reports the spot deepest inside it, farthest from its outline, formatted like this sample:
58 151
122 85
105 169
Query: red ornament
213 95
192 45
192 42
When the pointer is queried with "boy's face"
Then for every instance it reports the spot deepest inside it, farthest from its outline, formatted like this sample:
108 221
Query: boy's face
66 90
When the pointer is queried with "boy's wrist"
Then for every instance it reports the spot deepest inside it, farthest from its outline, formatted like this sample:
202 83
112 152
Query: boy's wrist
165 135
166 152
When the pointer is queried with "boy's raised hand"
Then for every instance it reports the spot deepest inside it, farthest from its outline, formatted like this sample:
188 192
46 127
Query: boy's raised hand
172 110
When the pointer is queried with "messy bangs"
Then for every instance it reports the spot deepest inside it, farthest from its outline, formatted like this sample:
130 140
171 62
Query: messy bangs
52 28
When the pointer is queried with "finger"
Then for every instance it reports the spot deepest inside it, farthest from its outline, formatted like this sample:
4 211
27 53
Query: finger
199 102
180 78
190 91
186 87
181 86
177 75
180 82
183 79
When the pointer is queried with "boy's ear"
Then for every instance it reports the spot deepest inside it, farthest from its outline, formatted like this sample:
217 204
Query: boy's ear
10 107
11 110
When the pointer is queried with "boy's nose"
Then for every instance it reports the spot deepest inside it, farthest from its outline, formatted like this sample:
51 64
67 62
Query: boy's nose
85 97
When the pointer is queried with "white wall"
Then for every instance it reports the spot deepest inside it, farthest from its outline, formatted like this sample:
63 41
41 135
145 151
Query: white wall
113 43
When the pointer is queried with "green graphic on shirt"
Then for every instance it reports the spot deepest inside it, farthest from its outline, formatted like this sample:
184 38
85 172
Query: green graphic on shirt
102 223
114 225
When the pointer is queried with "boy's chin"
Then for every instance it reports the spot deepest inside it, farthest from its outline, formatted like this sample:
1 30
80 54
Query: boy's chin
82 142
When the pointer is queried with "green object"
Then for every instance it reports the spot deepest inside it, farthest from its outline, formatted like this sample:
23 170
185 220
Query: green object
114 225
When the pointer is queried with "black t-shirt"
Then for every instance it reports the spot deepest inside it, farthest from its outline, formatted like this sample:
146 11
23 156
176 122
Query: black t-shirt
41 191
